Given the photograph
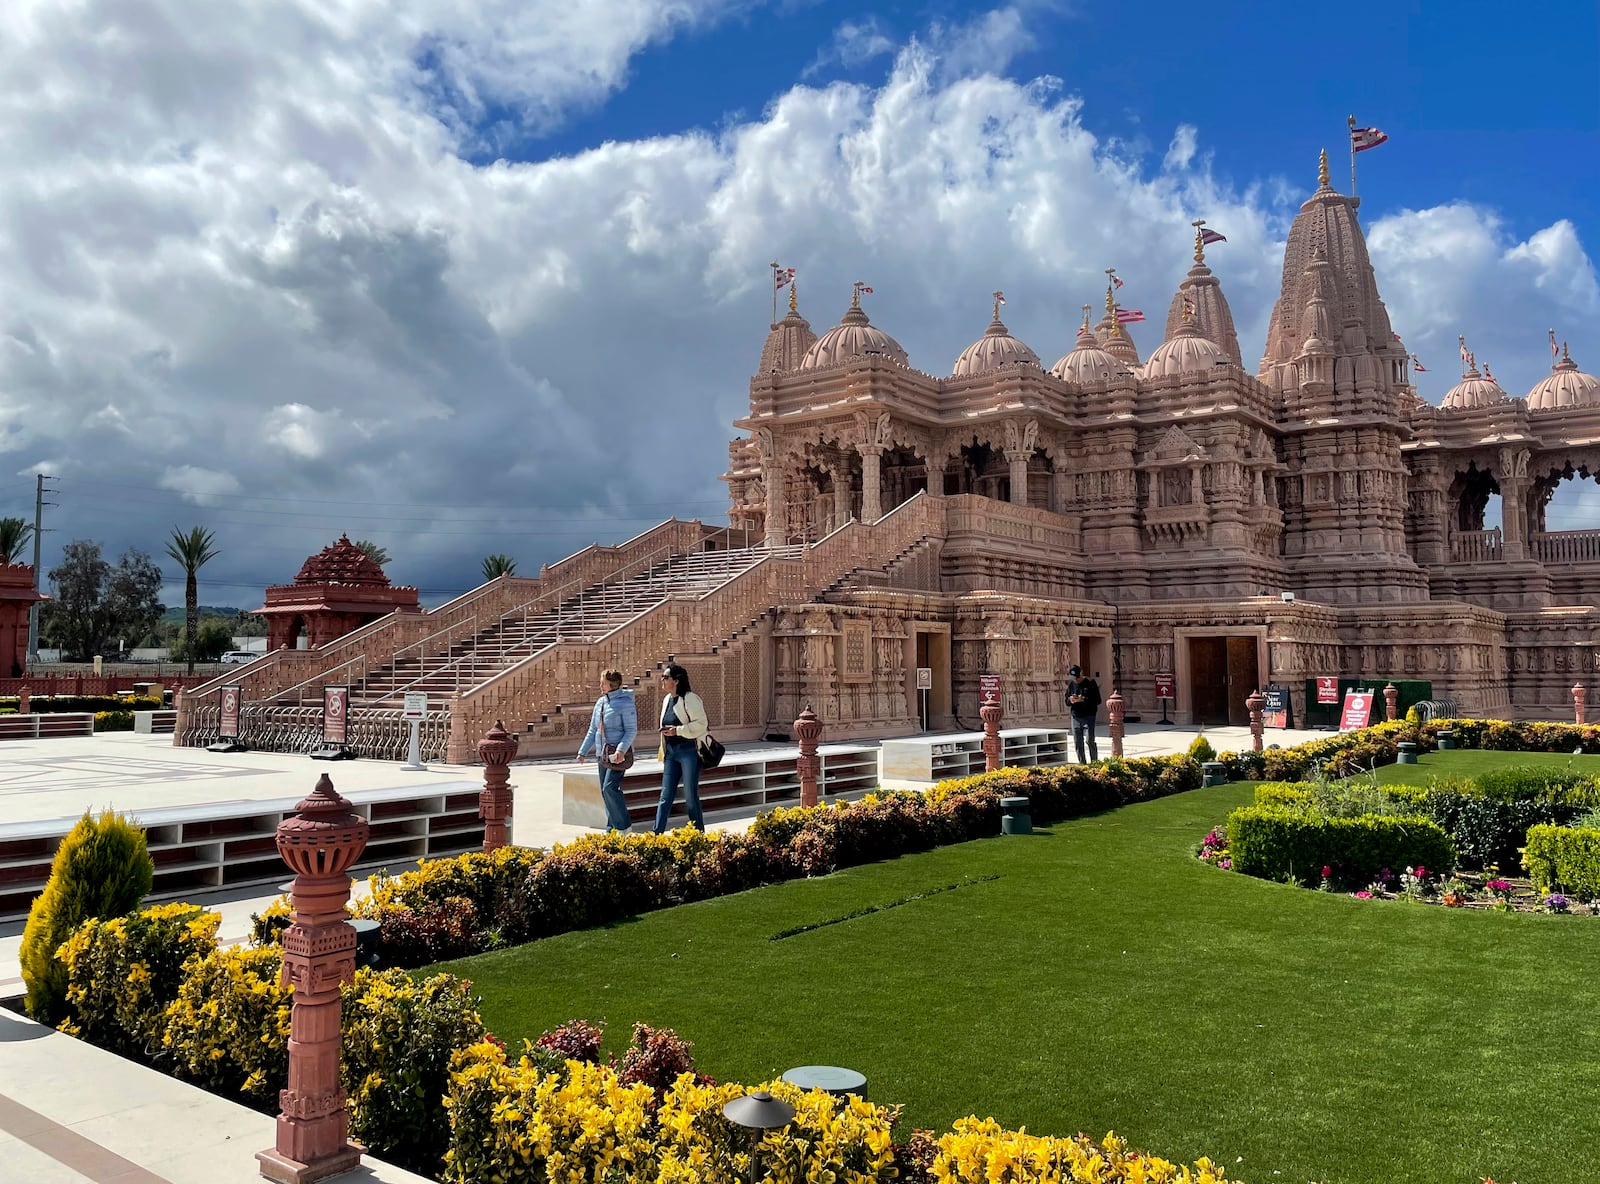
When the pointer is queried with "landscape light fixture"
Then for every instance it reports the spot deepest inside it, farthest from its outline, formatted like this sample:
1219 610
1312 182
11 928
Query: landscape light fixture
758 1112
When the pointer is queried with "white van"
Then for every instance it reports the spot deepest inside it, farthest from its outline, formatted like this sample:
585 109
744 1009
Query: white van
238 657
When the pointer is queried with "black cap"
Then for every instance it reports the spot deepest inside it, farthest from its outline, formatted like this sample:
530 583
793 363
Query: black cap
1074 670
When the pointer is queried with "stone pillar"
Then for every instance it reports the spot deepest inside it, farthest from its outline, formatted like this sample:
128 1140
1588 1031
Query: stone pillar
992 714
1116 709
24 701
494 803
1255 703
871 481
777 509
320 842
934 467
1391 701
1579 697
808 730
1019 475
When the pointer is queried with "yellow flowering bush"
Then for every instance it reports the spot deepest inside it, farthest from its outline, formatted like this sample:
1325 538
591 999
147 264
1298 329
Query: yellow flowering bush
228 1029
122 974
980 1151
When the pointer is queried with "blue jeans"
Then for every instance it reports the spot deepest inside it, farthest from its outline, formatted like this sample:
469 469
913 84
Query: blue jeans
682 764
617 817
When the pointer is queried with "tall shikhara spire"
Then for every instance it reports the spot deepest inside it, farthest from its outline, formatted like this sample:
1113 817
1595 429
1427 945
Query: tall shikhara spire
1326 259
1208 307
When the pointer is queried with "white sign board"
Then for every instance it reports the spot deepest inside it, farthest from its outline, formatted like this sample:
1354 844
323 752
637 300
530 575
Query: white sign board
416 705
924 678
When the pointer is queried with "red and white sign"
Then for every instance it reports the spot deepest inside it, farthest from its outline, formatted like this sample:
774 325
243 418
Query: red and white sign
1165 687
416 706
230 699
335 709
1357 710
924 678
1327 690
988 688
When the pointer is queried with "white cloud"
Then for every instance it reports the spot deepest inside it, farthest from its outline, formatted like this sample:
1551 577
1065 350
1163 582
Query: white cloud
256 234
855 43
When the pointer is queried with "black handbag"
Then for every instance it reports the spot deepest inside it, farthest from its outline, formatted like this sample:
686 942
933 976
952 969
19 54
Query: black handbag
607 748
710 750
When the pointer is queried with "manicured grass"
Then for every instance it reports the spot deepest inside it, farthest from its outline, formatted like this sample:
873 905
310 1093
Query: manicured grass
1462 762
1098 977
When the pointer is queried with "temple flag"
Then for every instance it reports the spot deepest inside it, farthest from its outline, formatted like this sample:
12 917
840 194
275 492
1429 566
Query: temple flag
1417 365
1362 138
782 277
1127 316
1116 281
1555 350
1207 237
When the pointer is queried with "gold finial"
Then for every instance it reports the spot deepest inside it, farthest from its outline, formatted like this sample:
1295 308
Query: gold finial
1322 169
1199 240
1565 356
1087 308
1111 301
999 299
793 304
855 294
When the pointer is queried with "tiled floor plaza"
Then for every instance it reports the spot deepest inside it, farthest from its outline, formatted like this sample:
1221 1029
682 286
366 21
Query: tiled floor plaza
71 1113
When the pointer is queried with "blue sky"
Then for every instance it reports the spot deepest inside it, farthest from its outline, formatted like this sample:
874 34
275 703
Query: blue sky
419 270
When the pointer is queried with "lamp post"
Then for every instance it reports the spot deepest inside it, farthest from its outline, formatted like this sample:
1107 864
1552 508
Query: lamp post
758 1112
808 730
1116 709
494 801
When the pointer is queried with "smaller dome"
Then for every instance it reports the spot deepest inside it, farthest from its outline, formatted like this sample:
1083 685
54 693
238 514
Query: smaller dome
996 348
854 336
341 563
1474 390
1086 362
1567 386
787 343
1185 352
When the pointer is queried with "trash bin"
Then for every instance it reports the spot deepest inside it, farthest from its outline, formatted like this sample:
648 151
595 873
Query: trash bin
1016 816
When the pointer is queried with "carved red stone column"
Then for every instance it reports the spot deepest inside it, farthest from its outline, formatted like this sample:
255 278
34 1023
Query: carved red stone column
1256 702
1580 696
1116 709
1391 702
320 842
494 803
992 713
808 730
24 701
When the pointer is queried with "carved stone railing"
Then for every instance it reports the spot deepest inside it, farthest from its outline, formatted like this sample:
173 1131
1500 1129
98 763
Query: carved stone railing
375 733
1477 546
1566 546
568 671
971 513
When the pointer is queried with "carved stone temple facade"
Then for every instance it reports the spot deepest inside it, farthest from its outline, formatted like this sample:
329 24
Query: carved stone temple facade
1172 513
1143 515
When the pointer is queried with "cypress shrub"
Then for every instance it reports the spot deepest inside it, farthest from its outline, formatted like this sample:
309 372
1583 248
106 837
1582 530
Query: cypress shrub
102 869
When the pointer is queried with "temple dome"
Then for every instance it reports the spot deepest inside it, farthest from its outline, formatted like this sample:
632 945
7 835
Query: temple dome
1185 352
1566 386
854 336
996 348
342 563
787 343
1086 362
1474 390
1201 293
1115 339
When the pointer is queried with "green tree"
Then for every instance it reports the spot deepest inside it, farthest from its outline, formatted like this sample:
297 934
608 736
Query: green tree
15 534
96 604
495 566
374 552
212 640
191 552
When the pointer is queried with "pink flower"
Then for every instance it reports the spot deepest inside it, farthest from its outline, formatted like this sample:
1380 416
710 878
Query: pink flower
1326 871
1422 873
1363 896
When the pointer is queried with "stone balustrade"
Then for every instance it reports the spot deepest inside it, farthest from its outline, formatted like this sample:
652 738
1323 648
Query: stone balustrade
1566 546
1477 546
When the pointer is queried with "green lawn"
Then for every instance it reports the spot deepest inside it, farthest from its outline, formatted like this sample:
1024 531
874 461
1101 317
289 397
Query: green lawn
1099 977
1470 762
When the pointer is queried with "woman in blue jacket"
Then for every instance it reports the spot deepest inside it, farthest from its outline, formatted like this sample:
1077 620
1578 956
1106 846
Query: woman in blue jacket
616 719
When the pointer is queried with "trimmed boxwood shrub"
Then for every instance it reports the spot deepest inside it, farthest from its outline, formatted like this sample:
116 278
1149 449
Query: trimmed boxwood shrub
1564 859
81 704
1276 843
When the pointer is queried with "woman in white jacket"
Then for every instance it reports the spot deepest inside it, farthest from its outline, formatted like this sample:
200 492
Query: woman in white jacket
683 722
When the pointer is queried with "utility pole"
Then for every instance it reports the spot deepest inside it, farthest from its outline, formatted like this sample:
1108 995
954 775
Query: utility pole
39 504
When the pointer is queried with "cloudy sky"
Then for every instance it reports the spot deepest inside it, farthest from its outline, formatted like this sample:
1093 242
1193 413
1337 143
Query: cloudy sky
463 277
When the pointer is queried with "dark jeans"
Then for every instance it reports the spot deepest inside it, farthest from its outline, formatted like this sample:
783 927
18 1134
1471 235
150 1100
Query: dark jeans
611 794
682 764
1083 727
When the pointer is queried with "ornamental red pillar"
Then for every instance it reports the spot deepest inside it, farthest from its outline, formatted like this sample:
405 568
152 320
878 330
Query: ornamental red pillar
320 842
1116 709
808 730
992 713
24 702
1391 702
494 804
1256 702
1580 696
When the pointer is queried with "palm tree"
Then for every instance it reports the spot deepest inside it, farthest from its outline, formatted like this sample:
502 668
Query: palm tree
377 554
14 536
191 551
495 566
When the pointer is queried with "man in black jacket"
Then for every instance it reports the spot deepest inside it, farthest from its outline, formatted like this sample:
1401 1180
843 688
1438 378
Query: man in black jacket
1083 701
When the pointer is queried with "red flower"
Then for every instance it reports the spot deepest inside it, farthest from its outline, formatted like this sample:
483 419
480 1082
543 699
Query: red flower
1327 872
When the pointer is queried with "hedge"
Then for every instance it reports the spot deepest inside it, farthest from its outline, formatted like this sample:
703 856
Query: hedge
1564 859
81 704
1279 843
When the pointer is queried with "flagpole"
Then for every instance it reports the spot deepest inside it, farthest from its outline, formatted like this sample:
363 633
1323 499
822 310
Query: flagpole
1352 156
774 267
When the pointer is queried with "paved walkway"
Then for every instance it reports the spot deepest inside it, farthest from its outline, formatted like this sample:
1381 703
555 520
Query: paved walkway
71 1113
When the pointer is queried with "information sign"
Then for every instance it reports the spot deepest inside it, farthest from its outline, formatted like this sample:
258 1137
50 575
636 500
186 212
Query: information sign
1357 710
1275 711
229 726
1327 690
335 709
1166 686
989 688
924 678
416 705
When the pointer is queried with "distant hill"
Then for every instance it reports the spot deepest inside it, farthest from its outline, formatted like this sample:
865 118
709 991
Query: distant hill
174 615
